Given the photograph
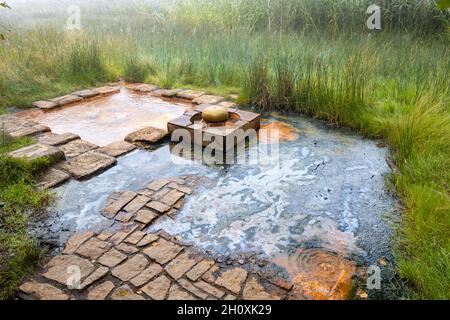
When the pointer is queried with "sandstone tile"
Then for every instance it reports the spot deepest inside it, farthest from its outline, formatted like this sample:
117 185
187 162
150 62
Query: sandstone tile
58 267
76 148
172 197
229 297
127 248
145 216
158 288
209 289
232 279
189 94
112 258
255 291
193 289
162 251
149 238
88 164
100 291
176 293
67 99
173 213
210 99
51 178
76 240
119 236
146 192
144 88
157 196
86 93
44 104
94 276
116 202
124 216
179 204
157 185
148 135
130 268
181 264
37 151
125 293
118 148
29 131
107 90
166 92
93 248
198 270
136 204
158 206
181 188
104 235
212 274
145 276
42 291
53 139
135 237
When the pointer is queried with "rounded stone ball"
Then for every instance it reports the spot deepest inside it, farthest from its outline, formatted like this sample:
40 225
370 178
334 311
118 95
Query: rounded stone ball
215 114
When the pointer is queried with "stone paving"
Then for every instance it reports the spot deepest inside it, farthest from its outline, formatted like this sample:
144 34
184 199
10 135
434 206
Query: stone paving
125 262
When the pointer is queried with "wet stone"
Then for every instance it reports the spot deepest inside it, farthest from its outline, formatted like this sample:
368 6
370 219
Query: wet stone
67 99
53 139
86 93
176 293
181 188
166 92
77 147
136 204
189 94
112 258
172 197
118 237
157 185
232 279
127 248
88 164
38 151
42 291
196 272
52 178
118 148
130 268
44 104
100 291
149 135
145 216
123 216
145 276
93 248
208 99
162 251
158 206
181 264
57 268
255 291
158 288
107 90
209 289
144 88
125 293
149 238
76 240
192 289
116 202
94 276
135 237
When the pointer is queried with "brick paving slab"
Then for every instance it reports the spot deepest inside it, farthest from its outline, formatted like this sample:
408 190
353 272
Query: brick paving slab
88 164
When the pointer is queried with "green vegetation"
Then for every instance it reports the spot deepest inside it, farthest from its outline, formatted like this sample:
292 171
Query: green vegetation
312 56
19 253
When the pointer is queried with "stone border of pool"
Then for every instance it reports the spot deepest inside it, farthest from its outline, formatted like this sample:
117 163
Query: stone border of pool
126 262
73 157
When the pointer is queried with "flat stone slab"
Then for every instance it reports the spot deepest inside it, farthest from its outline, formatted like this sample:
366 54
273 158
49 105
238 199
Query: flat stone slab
189 94
53 139
168 93
143 88
77 147
118 148
18 127
42 291
65 100
147 135
52 178
38 150
42 104
208 99
88 164
107 90
88 93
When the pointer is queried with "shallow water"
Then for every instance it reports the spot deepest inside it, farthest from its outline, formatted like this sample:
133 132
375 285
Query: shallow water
327 191
103 120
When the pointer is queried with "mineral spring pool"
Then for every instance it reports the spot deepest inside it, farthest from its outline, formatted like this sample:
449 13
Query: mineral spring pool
327 191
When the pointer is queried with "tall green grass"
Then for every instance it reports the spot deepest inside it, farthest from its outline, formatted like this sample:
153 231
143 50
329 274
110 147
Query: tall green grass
315 57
